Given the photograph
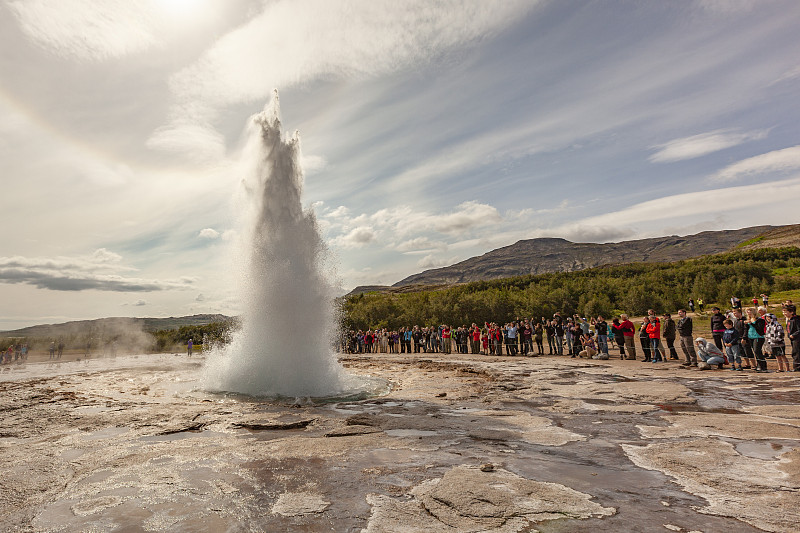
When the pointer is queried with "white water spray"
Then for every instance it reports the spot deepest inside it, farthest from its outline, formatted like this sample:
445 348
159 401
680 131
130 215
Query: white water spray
284 347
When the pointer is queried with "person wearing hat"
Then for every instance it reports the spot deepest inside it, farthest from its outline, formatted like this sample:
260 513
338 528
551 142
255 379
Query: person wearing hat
708 354
773 336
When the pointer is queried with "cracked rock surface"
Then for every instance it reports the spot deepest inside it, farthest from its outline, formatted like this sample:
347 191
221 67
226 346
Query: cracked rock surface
460 443
470 500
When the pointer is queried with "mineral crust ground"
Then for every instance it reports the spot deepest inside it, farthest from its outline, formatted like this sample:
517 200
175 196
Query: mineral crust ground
461 443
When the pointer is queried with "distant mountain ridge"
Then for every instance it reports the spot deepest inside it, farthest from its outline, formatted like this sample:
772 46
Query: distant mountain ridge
113 323
545 255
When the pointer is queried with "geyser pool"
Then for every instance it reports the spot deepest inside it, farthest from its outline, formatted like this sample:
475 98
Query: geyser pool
284 347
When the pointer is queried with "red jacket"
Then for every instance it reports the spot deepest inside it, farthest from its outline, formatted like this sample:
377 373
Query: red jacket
654 329
627 328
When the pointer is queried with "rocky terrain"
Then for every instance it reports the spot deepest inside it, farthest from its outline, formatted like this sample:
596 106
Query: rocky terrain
774 238
539 256
460 443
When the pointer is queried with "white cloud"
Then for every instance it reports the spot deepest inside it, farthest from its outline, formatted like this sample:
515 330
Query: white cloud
200 298
88 29
430 261
747 198
418 244
101 255
790 74
140 303
308 40
208 233
468 215
339 212
197 142
776 161
312 164
356 238
404 222
702 144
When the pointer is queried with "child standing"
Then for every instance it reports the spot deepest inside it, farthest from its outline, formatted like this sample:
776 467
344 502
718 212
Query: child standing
774 337
732 341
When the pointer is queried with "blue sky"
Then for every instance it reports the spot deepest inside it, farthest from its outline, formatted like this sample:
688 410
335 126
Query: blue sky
432 131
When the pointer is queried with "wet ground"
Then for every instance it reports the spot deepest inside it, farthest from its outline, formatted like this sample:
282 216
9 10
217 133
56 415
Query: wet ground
461 443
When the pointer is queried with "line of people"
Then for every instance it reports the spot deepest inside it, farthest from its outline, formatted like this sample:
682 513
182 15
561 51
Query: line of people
743 340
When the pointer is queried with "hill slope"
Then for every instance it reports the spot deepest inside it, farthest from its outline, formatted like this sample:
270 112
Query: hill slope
540 256
100 325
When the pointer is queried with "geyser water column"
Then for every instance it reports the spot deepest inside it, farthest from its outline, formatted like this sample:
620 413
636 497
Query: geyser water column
284 347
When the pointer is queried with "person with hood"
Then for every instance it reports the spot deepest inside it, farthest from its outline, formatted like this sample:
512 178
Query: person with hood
733 345
775 342
708 354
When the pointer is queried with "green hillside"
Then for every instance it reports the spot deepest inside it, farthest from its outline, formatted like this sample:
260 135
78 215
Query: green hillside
631 288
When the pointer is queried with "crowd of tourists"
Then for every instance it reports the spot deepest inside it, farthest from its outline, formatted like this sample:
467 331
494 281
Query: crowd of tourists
742 339
15 352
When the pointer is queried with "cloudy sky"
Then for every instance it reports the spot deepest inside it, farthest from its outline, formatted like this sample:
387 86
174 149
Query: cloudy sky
432 131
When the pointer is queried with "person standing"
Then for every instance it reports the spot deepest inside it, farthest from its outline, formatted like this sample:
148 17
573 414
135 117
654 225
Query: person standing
475 335
669 335
775 343
628 332
601 330
446 346
497 339
717 326
511 332
691 306
189 346
684 328
577 338
745 347
644 339
701 304
733 347
619 336
793 332
654 332
53 350
538 332
559 329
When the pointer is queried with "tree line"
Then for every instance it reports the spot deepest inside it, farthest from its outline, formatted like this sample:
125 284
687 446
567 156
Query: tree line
632 288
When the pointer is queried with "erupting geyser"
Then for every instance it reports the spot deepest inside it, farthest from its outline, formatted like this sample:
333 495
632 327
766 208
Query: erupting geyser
284 347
